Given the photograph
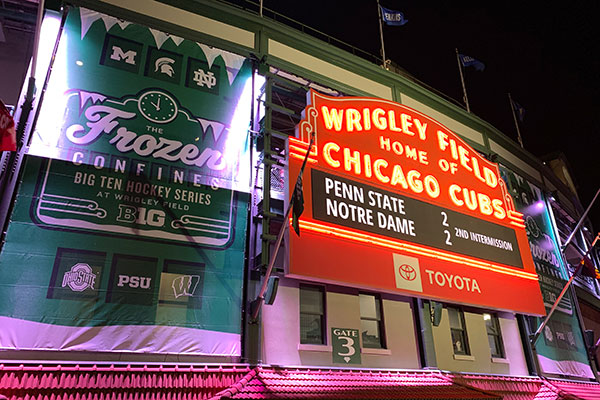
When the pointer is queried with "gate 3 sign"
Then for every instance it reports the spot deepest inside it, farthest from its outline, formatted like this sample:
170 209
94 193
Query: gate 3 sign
393 192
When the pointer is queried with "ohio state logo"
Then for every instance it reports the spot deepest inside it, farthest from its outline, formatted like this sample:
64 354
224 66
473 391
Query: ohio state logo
79 278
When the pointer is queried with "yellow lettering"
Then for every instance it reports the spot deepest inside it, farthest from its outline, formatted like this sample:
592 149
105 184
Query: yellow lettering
353 120
377 165
406 124
398 177
414 182
392 118
452 191
350 160
327 149
332 119
378 119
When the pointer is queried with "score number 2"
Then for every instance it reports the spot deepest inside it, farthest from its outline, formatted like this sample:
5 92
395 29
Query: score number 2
445 223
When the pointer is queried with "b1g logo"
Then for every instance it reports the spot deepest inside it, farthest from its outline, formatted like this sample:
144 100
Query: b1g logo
79 278
141 282
407 273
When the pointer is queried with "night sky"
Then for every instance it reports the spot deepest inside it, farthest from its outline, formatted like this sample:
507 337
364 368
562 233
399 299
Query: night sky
546 54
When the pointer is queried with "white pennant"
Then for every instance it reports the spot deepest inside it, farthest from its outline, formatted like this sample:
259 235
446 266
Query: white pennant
217 127
159 37
109 22
233 62
88 17
176 39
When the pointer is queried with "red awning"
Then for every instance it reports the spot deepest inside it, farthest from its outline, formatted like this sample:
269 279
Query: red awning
304 383
532 388
509 387
93 382
190 382
574 390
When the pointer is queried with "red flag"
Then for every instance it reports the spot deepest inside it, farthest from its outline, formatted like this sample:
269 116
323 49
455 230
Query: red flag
8 134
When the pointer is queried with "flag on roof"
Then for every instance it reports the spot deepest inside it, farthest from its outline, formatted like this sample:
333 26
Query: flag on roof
468 61
520 111
391 17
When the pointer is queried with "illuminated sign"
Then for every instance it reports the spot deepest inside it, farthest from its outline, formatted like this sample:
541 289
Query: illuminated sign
397 202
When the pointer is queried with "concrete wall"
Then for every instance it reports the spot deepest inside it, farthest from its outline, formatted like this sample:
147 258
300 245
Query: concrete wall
480 359
281 330
281 335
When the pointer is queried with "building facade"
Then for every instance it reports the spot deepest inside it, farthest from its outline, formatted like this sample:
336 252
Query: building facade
144 207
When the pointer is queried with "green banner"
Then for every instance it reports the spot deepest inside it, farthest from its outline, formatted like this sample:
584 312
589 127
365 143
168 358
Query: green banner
129 229
561 349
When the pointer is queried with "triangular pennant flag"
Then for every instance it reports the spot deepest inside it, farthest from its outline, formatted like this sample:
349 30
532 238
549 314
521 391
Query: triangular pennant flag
216 127
88 17
233 62
159 37
123 24
210 53
176 39
109 22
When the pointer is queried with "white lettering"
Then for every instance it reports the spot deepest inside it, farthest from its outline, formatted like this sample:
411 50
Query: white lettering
456 282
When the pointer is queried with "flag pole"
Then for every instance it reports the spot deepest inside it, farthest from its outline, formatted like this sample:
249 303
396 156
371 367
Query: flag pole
537 333
564 246
462 81
257 303
512 107
381 36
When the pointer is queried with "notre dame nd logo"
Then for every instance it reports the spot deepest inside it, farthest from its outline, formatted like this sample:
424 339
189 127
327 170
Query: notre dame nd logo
407 273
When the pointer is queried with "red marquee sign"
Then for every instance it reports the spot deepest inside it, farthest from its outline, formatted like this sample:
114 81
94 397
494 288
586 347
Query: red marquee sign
396 202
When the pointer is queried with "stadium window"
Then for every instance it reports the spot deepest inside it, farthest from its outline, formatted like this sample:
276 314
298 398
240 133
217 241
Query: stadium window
312 314
492 326
371 321
458 331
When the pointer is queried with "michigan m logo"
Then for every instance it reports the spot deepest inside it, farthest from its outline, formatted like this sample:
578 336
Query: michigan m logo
118 55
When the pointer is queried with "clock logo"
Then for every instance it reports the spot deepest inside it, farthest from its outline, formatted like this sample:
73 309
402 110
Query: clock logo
157 106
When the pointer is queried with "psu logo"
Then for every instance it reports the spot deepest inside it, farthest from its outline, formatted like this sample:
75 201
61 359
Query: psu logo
141 282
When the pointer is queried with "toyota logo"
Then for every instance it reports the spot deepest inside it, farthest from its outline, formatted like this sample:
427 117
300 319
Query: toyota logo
407 272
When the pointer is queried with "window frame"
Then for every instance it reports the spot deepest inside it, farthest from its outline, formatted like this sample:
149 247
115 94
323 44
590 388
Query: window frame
462 331
497 337
380 321
323 319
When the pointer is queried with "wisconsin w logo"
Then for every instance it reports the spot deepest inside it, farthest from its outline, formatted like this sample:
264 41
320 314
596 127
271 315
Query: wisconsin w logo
185 285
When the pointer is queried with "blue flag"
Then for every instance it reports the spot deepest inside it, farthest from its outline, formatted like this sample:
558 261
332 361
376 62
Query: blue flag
391 17
468 61
520 111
